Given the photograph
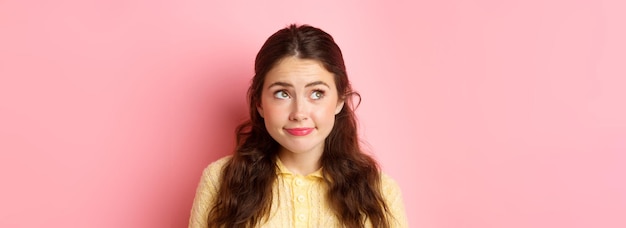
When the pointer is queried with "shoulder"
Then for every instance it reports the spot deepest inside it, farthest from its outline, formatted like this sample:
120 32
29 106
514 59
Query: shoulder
206 192
215 168
388 183
219 163
393 197
391 191
210 180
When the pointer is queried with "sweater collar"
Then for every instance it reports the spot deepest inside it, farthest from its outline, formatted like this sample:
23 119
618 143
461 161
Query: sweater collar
281 169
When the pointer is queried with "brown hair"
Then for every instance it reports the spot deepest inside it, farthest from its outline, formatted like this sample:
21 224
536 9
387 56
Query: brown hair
245 193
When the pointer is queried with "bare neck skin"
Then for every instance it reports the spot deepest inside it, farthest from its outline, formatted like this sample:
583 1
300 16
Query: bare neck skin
301 163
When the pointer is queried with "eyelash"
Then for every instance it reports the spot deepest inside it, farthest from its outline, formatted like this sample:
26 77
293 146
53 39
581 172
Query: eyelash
276 94
321 93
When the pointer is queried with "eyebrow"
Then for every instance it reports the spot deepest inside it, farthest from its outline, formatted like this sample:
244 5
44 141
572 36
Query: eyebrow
285 84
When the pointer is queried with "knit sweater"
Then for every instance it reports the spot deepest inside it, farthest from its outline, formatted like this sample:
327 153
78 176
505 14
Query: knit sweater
298 201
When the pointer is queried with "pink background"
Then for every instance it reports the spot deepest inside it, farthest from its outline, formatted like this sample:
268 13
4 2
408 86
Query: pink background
488 113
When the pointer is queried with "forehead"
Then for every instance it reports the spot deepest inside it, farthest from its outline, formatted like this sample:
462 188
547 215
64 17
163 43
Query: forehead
296 70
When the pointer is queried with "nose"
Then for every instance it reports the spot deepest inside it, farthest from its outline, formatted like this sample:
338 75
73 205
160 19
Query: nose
299 110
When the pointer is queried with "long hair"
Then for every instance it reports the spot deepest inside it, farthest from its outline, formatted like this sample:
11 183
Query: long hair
245 195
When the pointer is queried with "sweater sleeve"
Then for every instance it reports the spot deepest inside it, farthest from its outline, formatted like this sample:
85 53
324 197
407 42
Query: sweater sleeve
205 194
393 198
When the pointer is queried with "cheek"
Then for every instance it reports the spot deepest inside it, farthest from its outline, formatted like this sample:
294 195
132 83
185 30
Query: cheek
325 114
274 113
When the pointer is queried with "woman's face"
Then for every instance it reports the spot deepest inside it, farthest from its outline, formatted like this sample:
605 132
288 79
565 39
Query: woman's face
299 102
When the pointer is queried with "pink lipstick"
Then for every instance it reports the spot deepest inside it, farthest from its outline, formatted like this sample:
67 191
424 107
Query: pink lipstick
299 131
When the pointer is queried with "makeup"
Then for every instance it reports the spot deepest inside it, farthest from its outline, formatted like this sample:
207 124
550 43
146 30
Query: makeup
299 131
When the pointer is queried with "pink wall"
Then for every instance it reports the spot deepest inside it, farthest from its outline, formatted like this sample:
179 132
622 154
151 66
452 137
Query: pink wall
488 113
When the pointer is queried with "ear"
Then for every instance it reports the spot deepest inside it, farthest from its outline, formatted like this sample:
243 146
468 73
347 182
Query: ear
260 110
339 106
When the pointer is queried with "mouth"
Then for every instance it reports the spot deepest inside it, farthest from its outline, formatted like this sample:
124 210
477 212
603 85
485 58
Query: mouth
299 131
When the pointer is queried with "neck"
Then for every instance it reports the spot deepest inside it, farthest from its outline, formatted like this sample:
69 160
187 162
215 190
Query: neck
301 163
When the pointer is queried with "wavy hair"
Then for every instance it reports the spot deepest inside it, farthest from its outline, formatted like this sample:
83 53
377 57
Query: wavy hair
245 195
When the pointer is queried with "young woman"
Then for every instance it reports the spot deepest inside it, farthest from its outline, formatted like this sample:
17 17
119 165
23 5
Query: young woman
298 162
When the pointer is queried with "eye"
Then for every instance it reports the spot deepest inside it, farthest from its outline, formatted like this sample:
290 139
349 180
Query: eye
317 94
281 94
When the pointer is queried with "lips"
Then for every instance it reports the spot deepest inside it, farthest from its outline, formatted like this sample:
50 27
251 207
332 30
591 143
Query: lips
299 131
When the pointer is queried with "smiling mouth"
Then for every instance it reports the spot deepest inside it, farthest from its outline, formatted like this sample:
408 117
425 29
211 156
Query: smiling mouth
299 131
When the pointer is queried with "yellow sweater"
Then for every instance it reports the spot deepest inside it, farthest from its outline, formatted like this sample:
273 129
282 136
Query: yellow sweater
298 201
